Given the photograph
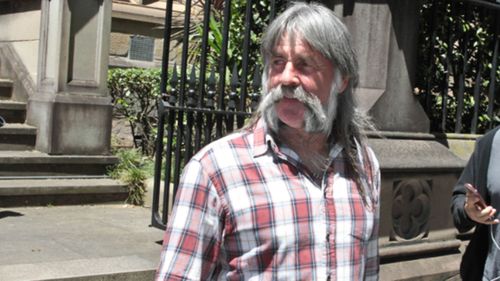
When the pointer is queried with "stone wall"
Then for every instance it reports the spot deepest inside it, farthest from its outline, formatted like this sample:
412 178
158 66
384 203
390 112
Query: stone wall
146 19
15 16
120 48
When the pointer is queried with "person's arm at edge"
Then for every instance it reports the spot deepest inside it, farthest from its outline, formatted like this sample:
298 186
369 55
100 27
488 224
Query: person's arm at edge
460 219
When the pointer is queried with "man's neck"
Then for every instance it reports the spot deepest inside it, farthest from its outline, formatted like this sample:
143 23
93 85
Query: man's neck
312 148
300 140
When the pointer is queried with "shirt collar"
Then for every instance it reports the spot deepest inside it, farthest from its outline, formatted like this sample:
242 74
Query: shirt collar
263 142
262 139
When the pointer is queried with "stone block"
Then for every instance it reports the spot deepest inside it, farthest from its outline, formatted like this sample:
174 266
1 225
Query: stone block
460 144
83 129
158 52
418 174
72 124
384 35
119 44
11 24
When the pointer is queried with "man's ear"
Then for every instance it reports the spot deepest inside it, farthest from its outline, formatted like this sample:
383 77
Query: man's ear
343 84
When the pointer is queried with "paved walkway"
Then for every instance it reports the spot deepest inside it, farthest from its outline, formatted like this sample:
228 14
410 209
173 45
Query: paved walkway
109 242
114 242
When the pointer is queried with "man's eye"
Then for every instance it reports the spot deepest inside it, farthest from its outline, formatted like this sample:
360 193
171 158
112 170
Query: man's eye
302 64
278 62
305 66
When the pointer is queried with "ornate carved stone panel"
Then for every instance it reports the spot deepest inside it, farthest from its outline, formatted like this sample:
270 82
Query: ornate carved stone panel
411 209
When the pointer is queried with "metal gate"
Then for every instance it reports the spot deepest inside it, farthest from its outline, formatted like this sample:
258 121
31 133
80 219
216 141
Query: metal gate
211 93
459 65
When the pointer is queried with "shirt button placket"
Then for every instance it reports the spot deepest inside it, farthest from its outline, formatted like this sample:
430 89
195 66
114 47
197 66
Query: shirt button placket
325 259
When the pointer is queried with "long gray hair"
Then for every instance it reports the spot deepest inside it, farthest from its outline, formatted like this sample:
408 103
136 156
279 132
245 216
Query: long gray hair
324 32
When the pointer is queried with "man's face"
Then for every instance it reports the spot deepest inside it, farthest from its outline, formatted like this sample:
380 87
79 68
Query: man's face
294 64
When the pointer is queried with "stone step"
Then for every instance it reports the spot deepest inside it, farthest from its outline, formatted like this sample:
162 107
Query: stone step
35 163
6 88
60 191
16 136
13 111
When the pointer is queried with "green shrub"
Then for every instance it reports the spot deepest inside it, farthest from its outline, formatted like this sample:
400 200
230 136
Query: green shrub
442 53
134 93
133 169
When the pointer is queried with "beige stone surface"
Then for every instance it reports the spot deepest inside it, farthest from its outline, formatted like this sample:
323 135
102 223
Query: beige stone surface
155 12
121 133
119 44
11 26
461 145
158 49
28 53
92 242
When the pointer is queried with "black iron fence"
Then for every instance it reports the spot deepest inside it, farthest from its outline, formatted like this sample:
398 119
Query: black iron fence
213 91
459 75
217 82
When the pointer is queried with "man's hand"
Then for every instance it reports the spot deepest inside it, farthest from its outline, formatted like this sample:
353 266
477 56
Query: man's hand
476 213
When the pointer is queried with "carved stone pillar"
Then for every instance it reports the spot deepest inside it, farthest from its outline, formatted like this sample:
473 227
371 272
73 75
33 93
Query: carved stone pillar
385 37
71 108
416 234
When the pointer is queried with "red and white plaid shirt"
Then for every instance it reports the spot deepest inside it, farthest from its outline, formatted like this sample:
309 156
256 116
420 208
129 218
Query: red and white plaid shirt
245 210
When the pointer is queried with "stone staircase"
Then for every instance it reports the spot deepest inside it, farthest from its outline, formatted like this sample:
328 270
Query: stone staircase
61 217
32 178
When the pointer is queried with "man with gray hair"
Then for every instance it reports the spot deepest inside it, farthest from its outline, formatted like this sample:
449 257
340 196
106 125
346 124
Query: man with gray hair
294 195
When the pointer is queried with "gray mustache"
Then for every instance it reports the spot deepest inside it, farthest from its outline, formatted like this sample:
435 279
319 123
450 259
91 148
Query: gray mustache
308 99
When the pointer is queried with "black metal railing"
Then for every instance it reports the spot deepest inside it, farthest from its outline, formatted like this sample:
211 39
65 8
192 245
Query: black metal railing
459 72
208 96
215 87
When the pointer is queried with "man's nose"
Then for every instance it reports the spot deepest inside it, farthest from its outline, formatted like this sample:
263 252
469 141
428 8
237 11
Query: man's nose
289 76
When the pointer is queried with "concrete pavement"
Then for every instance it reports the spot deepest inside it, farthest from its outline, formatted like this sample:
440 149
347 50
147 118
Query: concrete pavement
92 242
114 242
